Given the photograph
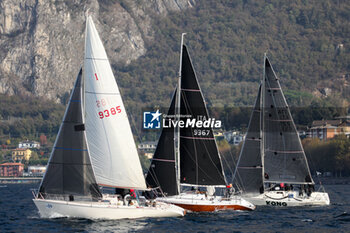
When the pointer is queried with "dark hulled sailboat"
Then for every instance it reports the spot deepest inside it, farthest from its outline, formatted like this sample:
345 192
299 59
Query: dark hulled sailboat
195 160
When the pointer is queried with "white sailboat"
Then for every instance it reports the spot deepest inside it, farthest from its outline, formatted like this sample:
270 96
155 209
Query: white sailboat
198 162
95 147
272 168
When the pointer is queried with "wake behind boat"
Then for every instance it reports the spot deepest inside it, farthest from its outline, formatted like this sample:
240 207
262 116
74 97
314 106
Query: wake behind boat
194 161
272 168
95 151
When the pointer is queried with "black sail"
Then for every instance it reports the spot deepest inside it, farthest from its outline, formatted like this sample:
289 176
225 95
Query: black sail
162 172
284 157
248 174
200 162
69 170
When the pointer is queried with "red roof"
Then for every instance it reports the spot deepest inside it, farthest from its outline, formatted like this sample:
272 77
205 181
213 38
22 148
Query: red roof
11 164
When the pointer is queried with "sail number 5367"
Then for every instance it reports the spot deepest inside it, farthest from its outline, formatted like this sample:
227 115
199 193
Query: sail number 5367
109 112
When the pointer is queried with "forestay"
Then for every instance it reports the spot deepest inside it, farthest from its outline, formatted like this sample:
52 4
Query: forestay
110 141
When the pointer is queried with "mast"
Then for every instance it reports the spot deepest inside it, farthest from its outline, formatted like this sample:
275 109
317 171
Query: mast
262 125
179 117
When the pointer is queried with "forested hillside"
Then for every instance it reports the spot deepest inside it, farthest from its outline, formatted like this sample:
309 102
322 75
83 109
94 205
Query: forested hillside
307 41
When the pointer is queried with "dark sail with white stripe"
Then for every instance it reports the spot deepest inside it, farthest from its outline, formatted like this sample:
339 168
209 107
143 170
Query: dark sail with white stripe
69 171
284 157
248 174
200 162
162 172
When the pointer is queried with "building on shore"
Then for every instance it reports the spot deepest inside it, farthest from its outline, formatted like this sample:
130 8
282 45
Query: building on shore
11 169
147 148
233 137
19 155
328 129
36 170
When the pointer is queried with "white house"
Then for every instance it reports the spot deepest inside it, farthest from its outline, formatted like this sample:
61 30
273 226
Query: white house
147 146
36 170
234 137
28 144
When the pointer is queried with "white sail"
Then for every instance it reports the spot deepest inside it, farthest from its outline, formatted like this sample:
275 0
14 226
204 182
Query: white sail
110 141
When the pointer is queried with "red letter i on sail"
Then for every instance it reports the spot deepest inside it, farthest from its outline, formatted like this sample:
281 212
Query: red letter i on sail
96 76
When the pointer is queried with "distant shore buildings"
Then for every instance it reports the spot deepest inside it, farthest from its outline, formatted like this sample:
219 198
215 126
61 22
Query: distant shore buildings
20 154
328 129
11 169
148 148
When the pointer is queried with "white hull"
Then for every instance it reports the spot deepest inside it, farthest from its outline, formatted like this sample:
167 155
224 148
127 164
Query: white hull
202 203
103 210
289 198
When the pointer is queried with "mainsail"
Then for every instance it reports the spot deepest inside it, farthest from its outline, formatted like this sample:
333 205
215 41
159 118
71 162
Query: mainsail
200 162
111 144
69 171
248 174
162 171
284 157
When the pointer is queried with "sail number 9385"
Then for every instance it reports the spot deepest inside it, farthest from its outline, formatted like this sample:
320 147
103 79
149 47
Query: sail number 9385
109 112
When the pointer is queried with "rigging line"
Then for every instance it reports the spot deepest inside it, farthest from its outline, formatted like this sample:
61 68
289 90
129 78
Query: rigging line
286 152
96 58
188 109
194 138
164 160
194 144
195 162
100 93
154 176
194 90
227 164
206 149
135 128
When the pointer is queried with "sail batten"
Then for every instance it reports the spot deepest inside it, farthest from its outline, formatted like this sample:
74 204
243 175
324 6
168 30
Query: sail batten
111 143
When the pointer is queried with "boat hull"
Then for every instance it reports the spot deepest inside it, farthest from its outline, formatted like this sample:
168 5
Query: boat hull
289 198
102 210
202 203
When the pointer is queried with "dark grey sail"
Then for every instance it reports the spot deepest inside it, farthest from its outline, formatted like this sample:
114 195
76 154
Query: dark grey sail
284 157
200 162
248 173
162 172
69 171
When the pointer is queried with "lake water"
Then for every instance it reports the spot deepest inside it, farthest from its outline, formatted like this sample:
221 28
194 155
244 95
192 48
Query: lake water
18 214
